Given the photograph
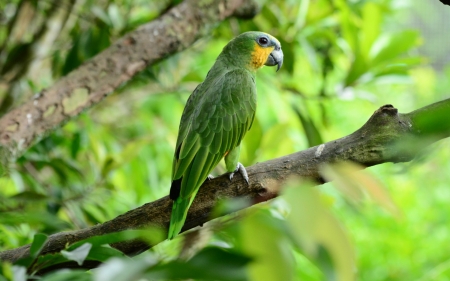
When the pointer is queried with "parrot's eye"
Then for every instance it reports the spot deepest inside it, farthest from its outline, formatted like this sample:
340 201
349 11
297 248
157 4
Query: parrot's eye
263 40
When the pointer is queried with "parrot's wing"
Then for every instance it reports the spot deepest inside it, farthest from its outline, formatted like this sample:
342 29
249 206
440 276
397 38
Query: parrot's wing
187 115
217 123
185 123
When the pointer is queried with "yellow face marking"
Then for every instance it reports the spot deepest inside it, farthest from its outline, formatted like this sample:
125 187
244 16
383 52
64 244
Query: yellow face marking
259 56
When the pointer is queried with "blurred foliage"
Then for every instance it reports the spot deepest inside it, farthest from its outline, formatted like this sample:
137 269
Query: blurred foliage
343 59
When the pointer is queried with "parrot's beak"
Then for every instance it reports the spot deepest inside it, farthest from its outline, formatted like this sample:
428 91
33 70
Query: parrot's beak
275 58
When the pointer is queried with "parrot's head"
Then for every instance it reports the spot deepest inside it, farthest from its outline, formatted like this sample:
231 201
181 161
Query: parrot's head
255 49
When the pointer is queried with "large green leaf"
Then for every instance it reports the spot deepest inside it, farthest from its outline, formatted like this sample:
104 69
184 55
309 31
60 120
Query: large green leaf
352 181
79 254
358 68
211 263
263 238
311 131
390 46
38 243
153 235
36 218
35 249
29 195
371 26
318 233
68 275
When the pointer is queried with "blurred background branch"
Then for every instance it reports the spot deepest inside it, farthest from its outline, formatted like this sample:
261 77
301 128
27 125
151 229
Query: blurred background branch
25 59
174 31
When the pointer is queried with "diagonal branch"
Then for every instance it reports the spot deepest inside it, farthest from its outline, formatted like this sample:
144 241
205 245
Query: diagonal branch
374 143
174 31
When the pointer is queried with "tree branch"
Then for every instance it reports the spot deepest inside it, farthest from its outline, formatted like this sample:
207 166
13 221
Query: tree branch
374 143
27 62
174 31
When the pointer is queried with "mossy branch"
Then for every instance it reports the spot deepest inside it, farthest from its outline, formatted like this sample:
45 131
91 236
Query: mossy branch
374 143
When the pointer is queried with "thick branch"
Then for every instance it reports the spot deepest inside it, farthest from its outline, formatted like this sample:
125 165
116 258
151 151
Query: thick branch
90 83
372 144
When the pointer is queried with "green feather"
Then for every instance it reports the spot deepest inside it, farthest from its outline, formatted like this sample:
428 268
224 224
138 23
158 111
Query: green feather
216 143
227 123
188 146
178 217
191 181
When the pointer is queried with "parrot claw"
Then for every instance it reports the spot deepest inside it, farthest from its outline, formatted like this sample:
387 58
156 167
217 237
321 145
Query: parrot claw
240 168
208 178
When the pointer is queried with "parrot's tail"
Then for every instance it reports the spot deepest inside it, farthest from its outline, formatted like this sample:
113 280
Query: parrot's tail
178 217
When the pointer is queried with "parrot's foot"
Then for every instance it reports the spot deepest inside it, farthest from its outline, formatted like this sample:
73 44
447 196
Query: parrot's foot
208 178
240 168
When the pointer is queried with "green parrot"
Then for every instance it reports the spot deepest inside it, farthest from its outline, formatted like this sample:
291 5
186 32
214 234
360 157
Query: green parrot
216 117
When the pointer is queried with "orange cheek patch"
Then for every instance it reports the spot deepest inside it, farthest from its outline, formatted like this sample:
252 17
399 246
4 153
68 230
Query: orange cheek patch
259 56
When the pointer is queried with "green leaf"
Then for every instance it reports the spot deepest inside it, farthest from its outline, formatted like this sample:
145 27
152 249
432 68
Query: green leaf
48 260
68 275
73 58
16 58
153 235
103 253
115 16
352 180
211 263
348 27
82 251
62 167
79 254
219 261
38 243
227 206
93 213
96 40
125 269
263 238
317 11
34 218
311 54
371 23
390 46
358 68
101 14
311 131
29 195
318 233
396 66
347 187
6 271
109 165
75 145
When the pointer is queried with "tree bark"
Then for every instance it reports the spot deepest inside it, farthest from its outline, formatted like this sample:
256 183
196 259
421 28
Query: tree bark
28 61
376 142
174 31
